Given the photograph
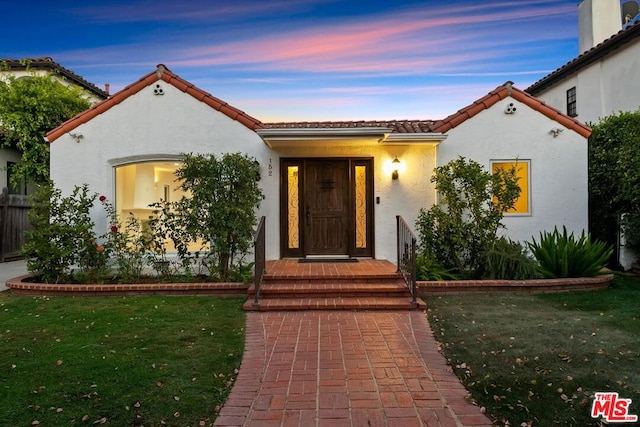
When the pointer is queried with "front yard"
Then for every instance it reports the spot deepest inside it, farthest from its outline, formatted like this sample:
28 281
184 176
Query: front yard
117 361
539 360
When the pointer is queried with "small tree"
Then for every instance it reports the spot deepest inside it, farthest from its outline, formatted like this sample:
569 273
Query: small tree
220 206
466 220
614 178
29 108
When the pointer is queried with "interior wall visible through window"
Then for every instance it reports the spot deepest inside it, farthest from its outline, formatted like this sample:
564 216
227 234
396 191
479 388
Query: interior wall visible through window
139 185
523 203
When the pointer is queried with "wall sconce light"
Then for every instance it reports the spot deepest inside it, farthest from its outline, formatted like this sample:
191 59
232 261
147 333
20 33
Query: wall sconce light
395 164
555 132
76 136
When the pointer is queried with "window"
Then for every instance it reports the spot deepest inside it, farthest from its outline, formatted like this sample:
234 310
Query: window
522 205
140 184
20 187
572 108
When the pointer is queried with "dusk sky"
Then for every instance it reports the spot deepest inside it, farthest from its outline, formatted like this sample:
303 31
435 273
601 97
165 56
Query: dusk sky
281 60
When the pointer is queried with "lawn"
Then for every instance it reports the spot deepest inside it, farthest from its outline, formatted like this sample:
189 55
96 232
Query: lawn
538 360
117 360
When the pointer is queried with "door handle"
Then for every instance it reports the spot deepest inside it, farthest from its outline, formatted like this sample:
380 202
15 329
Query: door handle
308 213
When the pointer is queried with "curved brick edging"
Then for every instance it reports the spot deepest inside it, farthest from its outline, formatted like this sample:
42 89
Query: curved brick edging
19 286
535 286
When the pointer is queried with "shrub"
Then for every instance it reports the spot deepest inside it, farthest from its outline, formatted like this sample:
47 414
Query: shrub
62 239
466 220
561 255
220 209
509 260
430 269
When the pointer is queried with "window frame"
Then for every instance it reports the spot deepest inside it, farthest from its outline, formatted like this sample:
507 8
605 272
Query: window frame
572 102
529 211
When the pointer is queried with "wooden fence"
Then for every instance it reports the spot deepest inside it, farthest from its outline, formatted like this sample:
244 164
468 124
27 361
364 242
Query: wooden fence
13 224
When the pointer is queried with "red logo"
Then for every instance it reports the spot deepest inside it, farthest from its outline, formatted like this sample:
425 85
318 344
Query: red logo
612 408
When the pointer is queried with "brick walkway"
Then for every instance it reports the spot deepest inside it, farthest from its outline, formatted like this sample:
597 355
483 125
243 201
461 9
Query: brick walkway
340 368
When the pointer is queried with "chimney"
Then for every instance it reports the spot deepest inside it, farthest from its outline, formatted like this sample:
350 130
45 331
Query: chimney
106 88
597 21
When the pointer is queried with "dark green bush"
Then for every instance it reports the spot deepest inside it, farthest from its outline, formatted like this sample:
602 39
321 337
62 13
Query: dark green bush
509 260
430 269
561 255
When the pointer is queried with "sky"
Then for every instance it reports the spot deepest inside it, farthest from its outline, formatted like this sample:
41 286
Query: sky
307 60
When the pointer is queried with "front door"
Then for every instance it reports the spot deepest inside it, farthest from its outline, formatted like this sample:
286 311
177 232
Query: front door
326 207
326 211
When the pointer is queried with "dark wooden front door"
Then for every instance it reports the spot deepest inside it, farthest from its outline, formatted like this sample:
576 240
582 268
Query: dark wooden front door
326 207
326 213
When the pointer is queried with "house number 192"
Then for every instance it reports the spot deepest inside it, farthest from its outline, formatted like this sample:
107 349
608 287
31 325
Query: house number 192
270 168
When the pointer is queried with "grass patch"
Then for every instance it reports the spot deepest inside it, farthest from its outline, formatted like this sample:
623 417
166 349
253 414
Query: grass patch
117 360
540 359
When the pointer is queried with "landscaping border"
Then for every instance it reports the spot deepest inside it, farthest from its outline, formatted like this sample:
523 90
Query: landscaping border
20 286
535 286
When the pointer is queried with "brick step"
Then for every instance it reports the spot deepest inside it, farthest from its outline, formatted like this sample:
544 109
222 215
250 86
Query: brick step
354 303
343 278
328 290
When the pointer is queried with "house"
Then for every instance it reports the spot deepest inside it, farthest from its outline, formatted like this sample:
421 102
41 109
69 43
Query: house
40 66
332 188
603 79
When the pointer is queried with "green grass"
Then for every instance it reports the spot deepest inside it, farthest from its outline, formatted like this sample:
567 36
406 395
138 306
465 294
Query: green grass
117 360
540 359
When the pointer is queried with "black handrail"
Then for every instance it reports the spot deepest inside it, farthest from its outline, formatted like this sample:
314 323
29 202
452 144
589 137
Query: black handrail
406 244
259 245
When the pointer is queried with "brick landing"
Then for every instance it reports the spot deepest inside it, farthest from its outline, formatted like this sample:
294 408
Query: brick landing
364 285
340 368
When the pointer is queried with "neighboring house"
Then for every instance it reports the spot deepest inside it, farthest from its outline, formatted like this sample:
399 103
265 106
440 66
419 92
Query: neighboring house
24 69
329 186
605 78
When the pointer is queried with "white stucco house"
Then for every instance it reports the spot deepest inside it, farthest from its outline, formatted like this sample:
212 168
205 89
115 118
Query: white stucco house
604 79
24 68
330 187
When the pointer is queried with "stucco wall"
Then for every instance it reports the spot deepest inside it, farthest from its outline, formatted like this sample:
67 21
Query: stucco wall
404 196
151 127
603 88
558 168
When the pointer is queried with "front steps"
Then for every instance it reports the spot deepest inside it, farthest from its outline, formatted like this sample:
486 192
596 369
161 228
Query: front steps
338 292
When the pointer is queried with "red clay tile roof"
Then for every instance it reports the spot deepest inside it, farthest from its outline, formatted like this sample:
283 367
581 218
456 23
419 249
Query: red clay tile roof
161 73
397 126
46 63
501 93
588 57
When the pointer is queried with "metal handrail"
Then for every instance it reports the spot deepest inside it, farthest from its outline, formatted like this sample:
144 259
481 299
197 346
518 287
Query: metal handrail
259 245
406 246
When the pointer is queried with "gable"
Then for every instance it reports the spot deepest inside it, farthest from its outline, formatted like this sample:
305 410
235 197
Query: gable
161 74
500 93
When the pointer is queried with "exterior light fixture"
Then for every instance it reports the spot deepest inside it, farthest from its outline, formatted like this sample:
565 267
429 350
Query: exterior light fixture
395 164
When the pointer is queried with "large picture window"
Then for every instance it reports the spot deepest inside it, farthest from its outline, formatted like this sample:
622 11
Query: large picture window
523 203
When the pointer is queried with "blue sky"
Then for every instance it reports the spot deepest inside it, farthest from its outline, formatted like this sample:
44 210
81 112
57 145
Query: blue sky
281 60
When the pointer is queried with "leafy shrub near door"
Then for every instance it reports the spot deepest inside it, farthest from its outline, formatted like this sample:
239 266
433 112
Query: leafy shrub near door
564 255
456 231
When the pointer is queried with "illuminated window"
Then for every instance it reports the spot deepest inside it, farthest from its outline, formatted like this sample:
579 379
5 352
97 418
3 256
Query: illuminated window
522 205
139 185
